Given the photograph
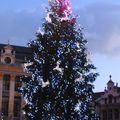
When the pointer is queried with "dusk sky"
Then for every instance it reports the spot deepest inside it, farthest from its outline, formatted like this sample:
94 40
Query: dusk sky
100 19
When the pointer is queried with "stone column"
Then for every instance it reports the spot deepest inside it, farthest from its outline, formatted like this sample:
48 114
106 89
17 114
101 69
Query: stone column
11 97
22 105
1 88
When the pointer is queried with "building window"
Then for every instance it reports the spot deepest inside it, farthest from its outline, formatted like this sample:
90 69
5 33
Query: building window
6 82
115 100
17 106
5 103
110 116
110 98
116 113
17 83
7 60
105 101
104 114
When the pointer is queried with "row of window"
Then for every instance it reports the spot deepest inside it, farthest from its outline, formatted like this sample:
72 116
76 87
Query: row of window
110 99
6 82
5 99
17 106
108 114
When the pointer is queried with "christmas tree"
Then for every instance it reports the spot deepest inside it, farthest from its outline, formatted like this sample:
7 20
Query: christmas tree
60 81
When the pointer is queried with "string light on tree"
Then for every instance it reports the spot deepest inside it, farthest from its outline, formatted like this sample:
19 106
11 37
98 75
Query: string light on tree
61 83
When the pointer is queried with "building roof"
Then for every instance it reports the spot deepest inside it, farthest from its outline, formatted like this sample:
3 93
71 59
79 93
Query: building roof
110 81
20 51
98 95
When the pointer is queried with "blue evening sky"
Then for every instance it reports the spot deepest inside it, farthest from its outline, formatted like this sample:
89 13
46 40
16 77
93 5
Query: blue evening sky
19 19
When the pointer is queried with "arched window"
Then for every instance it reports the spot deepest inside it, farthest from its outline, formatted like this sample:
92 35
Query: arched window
6 82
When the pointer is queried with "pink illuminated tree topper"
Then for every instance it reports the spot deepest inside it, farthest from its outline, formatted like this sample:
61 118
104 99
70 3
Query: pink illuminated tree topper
65 6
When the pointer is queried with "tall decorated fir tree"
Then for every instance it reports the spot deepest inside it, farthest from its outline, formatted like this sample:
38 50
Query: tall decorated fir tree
60 81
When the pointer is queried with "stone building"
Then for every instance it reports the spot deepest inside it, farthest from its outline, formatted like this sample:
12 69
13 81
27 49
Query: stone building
12 60
108 102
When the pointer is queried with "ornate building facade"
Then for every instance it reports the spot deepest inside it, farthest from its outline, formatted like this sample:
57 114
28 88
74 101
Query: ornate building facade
12 60
108 102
